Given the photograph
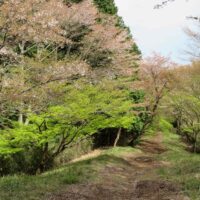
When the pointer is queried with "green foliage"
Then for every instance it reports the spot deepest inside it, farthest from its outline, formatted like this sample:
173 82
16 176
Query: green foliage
72 1
75 31
35 187
184 166
120 23
120 151
186 109
139 123
7 166
138 126
106 6
37 69
99 20
137 96
30 49
135 50
99 58
73 176
165 126
75 151
84 112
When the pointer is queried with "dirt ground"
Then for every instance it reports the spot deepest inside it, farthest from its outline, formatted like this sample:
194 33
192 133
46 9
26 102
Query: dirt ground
135 180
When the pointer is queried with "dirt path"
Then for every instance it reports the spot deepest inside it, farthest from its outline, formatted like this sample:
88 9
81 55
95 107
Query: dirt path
135 179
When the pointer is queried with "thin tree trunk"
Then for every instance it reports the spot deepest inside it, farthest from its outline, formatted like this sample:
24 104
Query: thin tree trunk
195 143
118 136
27 122
27 116
20 118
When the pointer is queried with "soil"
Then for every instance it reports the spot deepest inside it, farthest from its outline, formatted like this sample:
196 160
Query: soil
134 180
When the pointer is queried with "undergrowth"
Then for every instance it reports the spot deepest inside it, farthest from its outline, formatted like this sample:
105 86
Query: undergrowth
184 166
23 187
106 6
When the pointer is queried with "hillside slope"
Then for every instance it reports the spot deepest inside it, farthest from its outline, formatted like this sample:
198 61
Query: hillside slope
146 172
53 53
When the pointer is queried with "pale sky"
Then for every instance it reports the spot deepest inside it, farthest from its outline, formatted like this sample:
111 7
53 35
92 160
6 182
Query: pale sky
159 30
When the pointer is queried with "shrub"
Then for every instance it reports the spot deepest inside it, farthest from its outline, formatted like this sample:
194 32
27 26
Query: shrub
99 58
120 23
135 49
106 6
72 1
137 96
165 126
84 112
75 31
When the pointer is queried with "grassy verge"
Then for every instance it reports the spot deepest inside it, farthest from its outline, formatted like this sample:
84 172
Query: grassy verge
36 187
22 187
120 151
184 166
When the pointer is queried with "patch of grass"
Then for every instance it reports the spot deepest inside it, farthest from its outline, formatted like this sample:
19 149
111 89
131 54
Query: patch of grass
119 151
74 175
21 187
184 166
36 187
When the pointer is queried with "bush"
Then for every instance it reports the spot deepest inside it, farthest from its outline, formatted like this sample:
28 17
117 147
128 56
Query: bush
75 31
165 126
120 23
7 165
85 111
72 1
135 49
99 58
137 96
75 151
106 6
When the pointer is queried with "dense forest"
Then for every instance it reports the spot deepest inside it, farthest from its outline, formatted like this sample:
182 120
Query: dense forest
72 80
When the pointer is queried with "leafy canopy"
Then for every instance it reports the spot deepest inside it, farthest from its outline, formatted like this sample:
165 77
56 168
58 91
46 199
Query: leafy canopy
85 111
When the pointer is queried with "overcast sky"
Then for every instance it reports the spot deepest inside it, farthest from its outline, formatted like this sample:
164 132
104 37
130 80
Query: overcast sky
159 30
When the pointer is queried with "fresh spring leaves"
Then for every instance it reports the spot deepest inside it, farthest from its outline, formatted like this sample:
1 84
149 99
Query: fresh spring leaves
86 110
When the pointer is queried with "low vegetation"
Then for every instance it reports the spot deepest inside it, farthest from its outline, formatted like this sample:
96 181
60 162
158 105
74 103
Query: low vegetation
21 186
183 166
106 6
73 79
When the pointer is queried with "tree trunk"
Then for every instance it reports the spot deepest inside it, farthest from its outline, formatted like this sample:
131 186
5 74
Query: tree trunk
118 136
27 116
20 118
195 143
45 159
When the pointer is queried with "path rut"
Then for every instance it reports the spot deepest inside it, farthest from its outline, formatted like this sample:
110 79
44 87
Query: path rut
134 180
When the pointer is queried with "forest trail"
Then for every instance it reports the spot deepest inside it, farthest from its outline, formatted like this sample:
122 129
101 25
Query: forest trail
133 179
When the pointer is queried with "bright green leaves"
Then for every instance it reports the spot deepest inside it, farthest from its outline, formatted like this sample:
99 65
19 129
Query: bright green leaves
186 113
86 110
137 96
